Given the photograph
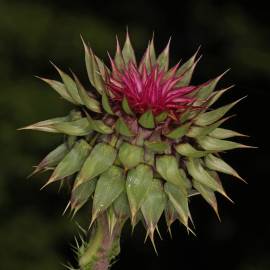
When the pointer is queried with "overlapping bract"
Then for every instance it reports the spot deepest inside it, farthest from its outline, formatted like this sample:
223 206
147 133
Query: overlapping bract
142 142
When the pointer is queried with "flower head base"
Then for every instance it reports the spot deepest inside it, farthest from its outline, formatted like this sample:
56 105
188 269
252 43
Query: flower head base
154 90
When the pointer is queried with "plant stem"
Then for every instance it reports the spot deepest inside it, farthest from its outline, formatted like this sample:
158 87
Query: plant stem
103 245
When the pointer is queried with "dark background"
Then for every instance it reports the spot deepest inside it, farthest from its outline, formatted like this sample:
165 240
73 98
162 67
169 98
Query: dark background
233 34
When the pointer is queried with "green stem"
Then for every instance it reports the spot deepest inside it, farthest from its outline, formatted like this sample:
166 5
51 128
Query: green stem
103 246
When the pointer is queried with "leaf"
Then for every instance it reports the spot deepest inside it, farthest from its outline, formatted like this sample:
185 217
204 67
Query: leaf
52 159
118 58
178 132
163 58
157 146
161 117
93 71
59 88
130 155
217 164
188 150
128 51
98 125
106 104
138 183
199 174
110 185
147 120
81 195
188 64
89 102
100 159
208 195
72 162
216 145
170 215
197 131
70 85
221 133
209 118
167 167
47 124
186 77
153 207
122 128
205 90
121 206
154 204
126 107
80 127
179 201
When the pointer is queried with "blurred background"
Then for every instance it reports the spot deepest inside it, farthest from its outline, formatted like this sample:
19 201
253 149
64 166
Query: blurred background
233 34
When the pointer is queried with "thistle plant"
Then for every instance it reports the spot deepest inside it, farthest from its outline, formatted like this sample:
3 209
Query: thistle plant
140 142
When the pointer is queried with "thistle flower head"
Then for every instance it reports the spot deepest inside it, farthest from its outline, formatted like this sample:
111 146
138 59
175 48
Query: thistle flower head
142 141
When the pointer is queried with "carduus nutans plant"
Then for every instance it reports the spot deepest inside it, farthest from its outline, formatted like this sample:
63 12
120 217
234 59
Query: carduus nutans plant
140 141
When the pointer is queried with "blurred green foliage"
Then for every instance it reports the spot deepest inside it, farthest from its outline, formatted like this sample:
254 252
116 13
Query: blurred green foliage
33 234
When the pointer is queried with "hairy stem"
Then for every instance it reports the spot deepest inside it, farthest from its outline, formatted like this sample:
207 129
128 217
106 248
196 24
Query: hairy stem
102 247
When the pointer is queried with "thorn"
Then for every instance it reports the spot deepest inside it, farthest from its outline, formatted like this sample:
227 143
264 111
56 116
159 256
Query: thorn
170 232
159 234
66 208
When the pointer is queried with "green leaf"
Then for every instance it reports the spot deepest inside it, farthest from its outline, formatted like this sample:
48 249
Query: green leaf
157 146
138 183
121 206
52 159
153 207
147 120
216 145
98 125
154 204
179 201
70 85
126 107
207 194
106 104
217 164
178 132
163 58
128 51
221 133
188 64
209 118
47 124
81 195
197 131
122 128
205 90
90 103
118 58
186 149
100 159
161 117
59 88
72 162
93 71
167 167
170 215
109 186
196 170
79 127
186 77
130 155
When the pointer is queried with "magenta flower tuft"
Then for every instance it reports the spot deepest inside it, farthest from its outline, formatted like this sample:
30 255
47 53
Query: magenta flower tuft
153 90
